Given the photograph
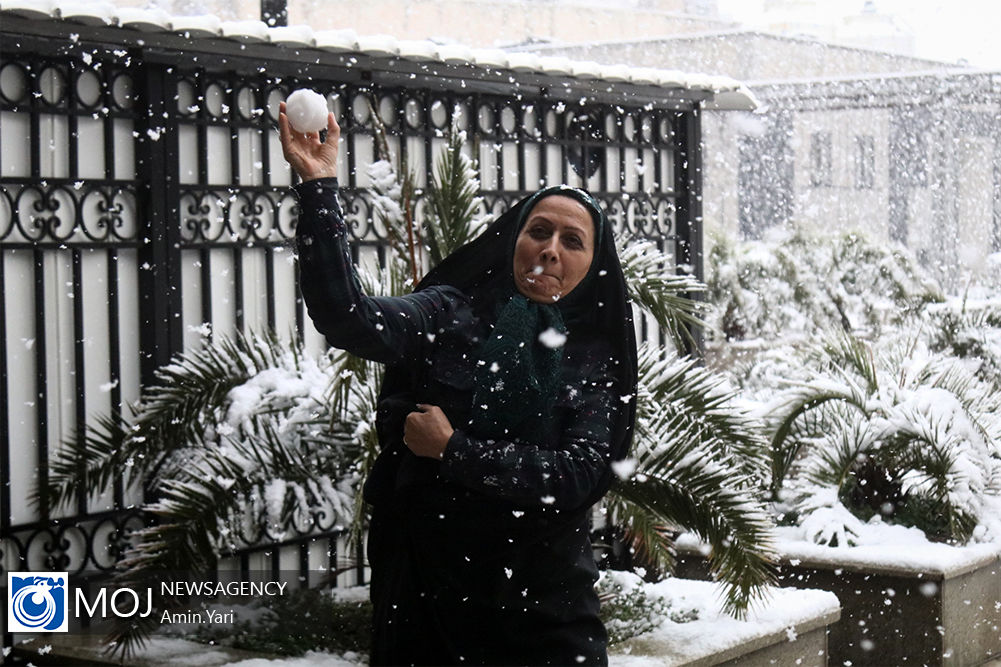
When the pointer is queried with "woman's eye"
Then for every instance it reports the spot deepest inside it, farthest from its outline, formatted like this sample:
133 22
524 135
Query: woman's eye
538 233
573 242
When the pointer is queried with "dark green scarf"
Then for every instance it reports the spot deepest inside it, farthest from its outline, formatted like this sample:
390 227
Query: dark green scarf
517 374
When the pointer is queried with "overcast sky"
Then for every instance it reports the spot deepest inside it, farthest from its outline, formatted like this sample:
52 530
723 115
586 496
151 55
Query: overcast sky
944 29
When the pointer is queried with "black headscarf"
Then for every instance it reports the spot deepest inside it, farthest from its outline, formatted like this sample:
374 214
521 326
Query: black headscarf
597 308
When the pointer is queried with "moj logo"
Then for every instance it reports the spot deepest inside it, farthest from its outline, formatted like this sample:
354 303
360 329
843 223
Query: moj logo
36 601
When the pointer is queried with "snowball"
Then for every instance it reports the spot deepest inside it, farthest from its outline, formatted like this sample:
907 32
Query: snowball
306 110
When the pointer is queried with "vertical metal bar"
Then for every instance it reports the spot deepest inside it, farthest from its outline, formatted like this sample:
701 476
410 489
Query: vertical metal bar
79 379
304 564
332 552
428 143
41 395
269 279
498 140
542 144
521 148
5 444
238 289
688 186
360 562
351 133
35 125
114 357
562 138
205 285
160 333
264 127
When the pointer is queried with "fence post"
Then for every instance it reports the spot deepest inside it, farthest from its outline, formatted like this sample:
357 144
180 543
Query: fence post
688 186
160 334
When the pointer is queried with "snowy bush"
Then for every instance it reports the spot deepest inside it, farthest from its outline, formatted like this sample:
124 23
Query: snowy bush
237 443
971 330
888 428
795 284
627 610
905 427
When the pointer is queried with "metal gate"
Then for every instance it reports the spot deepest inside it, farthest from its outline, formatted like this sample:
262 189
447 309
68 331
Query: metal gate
145 209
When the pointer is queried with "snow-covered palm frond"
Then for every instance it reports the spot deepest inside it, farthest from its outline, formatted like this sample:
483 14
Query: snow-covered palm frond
686 482
788 411
653 284
919 430
261 462
970 330
832 461
172 414
698 398
453 201
844 353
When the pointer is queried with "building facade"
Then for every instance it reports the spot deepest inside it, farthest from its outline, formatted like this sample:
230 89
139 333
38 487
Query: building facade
845 139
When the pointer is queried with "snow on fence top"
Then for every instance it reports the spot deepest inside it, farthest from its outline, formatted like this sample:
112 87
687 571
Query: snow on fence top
714 92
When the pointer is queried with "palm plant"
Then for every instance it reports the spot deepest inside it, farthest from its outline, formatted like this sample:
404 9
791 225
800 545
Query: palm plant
893 431
698 467
796 284
236 442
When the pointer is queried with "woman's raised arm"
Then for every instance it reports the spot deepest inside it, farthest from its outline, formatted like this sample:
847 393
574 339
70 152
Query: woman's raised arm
385 329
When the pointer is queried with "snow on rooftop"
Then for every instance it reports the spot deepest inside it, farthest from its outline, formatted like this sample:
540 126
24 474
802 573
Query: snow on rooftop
729 93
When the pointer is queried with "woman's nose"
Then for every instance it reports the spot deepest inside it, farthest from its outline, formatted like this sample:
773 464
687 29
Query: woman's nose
549 252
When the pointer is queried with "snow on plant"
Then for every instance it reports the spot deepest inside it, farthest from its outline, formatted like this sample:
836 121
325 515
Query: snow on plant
793 284
234 442
627 609
452 214
697 466
888 429
969 328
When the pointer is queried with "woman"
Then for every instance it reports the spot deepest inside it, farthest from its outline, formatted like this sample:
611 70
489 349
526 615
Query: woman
509 391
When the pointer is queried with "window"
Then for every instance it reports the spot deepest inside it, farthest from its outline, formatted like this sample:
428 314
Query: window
820 159
865 162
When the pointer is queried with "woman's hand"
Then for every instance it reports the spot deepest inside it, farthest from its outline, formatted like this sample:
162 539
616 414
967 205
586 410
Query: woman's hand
308 156
427 431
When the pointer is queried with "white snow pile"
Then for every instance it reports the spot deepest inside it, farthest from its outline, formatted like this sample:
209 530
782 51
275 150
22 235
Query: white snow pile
306 110
695 627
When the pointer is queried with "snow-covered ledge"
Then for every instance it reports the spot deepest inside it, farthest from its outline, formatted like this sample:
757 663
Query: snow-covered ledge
904 599
788 628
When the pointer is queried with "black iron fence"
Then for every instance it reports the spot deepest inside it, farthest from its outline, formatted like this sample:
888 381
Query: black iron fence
145 209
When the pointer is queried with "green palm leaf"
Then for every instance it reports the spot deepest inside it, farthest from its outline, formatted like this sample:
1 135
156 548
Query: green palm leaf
652 284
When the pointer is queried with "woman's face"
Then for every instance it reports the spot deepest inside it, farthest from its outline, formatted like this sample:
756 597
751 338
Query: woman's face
554 249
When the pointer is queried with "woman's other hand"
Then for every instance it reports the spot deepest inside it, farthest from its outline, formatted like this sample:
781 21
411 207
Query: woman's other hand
308 156
426 432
